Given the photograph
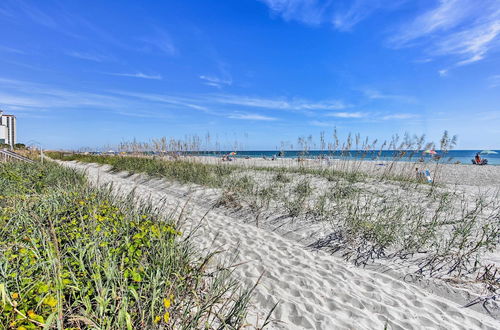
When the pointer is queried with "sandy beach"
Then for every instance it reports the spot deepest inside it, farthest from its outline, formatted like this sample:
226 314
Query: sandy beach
451 174
313 288
259 164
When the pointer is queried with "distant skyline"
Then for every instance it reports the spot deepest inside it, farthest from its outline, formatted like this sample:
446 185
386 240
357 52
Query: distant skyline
94 73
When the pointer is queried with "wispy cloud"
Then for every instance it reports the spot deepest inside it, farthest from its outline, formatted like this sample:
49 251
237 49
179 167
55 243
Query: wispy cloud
11 50
30 95
159 40
36 14
251 116
138 75
460 28
473 44
345 18
305 11
376 94
185 102
323 123
343 15
278 103
347 114
89 56
34 97
216 81
447 14
203 101
494 81
443 72
400 116
488 115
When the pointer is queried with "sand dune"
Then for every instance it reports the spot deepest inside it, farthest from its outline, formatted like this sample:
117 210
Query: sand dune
451 174
314 290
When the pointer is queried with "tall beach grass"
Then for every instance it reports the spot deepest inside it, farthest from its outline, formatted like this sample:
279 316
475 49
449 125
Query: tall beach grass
74 257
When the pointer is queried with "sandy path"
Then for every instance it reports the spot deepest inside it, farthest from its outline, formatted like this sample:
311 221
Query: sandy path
314 290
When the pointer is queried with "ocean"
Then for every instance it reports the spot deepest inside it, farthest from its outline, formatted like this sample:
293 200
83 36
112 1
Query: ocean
450 157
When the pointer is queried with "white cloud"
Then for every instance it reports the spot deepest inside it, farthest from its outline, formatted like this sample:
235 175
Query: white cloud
88 56
343 15
278 103
138 75
251 116
460 28
165 99
358 10
204 102
446 15
443 72
216 81
375 94
31 95
305 11
159 40
323 123
400 116
473 44
34 98
347 114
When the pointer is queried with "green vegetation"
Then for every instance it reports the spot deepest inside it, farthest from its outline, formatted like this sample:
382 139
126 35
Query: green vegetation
385 216
182 171
74 257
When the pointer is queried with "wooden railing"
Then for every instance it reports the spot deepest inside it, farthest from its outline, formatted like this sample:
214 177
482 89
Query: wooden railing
8 156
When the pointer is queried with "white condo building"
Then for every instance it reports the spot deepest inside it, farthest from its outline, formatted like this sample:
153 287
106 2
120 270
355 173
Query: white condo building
7 129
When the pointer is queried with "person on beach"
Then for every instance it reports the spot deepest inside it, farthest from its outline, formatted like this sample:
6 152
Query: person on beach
418 174
477 158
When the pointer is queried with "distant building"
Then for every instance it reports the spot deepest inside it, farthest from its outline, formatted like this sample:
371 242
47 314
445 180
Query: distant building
7 129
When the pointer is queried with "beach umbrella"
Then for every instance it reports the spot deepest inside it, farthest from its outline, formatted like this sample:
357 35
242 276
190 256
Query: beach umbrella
488 152
430 152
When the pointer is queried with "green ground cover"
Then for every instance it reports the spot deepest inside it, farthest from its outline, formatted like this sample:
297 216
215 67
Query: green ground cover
74 257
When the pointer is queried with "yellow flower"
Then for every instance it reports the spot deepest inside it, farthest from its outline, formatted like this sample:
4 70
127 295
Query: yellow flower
21 328
166 317
157 319
15 295
51 301
31 314
81 202
166 303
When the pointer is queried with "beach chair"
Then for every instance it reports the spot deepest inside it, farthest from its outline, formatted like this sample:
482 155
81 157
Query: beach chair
427 175
424 176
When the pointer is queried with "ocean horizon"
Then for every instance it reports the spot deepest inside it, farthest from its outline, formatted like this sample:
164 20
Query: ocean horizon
449 157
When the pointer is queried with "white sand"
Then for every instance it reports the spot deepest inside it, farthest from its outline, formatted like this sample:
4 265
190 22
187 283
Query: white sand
453 174
315 290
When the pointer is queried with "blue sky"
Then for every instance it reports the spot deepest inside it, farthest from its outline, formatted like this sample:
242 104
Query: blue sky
94 73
